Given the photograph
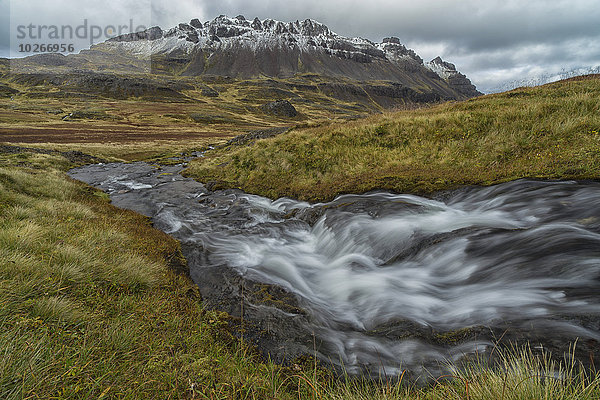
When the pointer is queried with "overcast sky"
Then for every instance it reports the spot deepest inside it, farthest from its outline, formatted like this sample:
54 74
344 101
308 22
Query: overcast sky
491 41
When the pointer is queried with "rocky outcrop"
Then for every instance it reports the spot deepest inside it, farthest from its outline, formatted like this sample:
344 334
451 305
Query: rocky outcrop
75 157
153 33
281 108
113 86
196 23
209 92
7 91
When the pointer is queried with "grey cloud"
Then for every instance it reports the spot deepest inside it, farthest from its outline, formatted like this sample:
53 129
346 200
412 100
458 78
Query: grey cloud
525 62
491 41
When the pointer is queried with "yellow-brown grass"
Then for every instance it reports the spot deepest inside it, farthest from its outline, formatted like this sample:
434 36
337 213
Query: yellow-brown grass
549 132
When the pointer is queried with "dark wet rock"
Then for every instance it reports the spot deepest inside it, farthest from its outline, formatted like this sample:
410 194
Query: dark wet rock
281 108
265 315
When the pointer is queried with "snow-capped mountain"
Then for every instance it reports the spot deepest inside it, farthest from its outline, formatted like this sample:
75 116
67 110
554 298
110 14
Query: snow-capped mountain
243 48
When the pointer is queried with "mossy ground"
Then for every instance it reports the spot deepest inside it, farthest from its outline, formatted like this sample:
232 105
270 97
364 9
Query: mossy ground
134 127
549 132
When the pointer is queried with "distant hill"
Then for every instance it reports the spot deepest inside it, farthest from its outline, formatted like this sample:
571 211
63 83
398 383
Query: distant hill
546 78
244 49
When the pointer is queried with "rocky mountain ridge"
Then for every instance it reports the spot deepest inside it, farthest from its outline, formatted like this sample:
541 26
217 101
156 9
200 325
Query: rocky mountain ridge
242 48
243 62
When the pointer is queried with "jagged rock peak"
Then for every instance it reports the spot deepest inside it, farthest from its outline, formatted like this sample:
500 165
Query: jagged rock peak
455 79
438 61
196 23
307 35
275 48
444 69
153 33
224 26
392 39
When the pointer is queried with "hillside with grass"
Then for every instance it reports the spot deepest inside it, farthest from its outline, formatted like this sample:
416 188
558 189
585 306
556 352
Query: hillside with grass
547 132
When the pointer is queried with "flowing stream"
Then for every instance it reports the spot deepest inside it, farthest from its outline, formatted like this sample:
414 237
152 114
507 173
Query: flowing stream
385 282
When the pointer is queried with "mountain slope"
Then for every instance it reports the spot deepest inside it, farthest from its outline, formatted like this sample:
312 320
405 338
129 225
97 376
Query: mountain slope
243 49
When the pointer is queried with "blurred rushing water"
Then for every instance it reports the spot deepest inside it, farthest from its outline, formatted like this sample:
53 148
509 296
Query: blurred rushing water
383 277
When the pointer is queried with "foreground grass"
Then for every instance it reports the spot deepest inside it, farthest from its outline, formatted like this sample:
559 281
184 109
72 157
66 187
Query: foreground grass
94 304
550 132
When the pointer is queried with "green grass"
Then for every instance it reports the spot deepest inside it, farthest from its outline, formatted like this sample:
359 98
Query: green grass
549 132
94 302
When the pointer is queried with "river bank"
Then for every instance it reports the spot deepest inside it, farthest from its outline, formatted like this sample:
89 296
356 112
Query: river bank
385 283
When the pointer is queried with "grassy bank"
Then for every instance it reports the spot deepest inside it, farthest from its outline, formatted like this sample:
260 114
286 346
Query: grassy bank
93 302
548 132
